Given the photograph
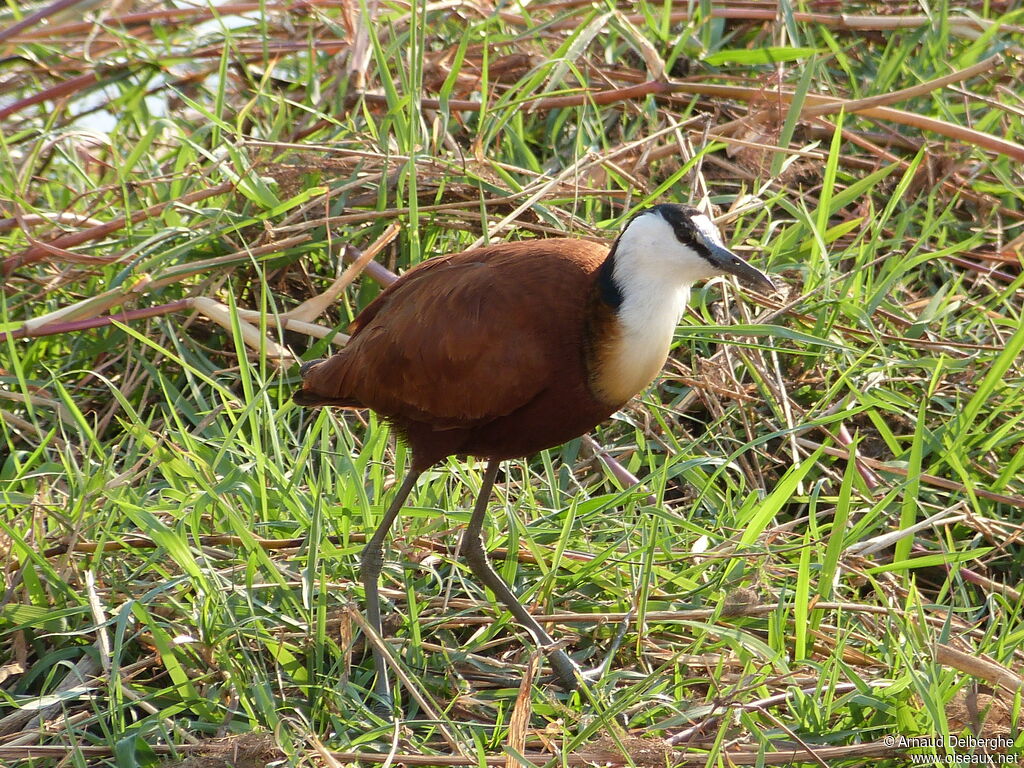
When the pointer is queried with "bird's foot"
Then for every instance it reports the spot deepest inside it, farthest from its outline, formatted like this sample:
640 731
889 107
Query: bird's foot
381 702
569 673
385 710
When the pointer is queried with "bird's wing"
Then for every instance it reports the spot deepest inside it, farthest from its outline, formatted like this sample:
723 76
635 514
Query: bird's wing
459 340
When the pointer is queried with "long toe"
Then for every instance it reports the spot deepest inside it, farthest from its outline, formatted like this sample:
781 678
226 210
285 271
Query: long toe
383 710
594 674
566 670
382 703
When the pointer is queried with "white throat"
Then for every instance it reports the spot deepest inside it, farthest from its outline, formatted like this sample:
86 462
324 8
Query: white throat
653 272
650 311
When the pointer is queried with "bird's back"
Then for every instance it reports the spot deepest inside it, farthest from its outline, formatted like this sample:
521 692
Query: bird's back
479 352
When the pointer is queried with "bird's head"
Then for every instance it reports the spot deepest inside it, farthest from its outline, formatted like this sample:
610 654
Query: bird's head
679 244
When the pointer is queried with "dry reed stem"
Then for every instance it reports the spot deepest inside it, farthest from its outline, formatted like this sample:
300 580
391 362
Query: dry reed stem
933 480
41 250
978 666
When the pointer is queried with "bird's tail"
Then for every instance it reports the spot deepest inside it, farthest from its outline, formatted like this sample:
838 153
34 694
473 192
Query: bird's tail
308 397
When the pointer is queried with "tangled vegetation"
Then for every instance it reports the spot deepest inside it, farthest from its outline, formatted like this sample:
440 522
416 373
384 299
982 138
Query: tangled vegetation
801 546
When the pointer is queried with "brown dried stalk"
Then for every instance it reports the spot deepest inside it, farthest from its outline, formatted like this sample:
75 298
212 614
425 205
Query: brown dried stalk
40 250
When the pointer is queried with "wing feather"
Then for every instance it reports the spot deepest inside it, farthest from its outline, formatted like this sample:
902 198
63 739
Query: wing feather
464 339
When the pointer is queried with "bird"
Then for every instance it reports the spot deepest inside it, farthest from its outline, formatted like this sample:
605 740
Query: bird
506 350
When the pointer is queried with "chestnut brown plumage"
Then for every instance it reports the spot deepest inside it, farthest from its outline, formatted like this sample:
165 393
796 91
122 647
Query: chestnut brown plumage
506 350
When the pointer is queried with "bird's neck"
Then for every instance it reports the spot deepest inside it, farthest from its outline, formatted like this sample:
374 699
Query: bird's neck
633 316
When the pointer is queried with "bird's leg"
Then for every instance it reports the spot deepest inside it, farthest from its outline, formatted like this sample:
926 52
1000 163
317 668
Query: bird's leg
481 567
369 569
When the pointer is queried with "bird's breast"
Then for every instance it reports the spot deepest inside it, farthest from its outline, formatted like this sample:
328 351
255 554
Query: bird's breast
628 346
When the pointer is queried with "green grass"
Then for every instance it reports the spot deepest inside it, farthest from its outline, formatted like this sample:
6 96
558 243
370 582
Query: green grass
182 542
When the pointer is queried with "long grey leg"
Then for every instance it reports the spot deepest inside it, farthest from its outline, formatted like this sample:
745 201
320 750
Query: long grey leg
369 569
481 567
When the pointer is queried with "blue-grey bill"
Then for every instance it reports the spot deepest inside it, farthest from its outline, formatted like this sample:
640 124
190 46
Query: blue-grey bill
733 265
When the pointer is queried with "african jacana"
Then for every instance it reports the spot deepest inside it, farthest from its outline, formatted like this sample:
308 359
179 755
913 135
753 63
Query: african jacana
506 350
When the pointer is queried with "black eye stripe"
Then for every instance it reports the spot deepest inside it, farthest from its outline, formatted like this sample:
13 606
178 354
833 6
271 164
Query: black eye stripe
685 234
680 218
